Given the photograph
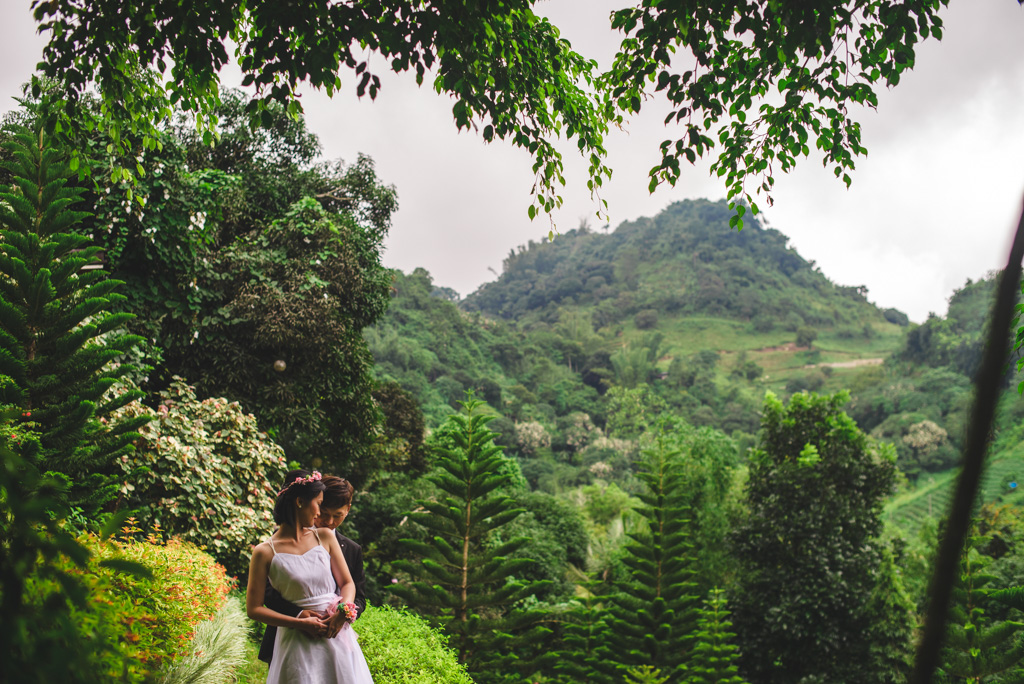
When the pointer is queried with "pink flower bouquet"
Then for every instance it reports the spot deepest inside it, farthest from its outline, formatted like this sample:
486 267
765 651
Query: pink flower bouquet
351 613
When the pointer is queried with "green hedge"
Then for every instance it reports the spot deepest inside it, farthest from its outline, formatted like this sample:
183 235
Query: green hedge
401 647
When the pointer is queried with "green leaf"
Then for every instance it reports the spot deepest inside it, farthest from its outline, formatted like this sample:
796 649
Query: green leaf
128 567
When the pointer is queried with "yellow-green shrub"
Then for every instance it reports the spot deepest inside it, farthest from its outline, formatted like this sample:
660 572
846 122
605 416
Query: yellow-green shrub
401 648
204 472
138 624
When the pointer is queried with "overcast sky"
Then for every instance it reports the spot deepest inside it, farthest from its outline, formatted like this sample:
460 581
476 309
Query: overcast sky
933 204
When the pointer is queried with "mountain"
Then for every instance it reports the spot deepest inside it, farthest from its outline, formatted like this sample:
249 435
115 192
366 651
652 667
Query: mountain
586 340
706 318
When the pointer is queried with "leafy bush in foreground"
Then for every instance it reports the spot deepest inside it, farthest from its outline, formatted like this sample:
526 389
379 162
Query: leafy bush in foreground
141 624
401 647
203 471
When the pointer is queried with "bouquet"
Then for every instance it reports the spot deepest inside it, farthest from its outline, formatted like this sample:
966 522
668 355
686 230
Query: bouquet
349 609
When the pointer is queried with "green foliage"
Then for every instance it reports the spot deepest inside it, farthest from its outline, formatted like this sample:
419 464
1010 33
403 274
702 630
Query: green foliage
204 472
35 548
706 463
401 648
232 267
742 56
714 656
805 336
584 634
809 550
131 626
650 613
58 336
557 540
184 588
299 292
463 579
516 78
979 645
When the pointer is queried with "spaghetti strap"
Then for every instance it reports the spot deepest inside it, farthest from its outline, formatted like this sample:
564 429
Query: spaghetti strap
271 540
316 534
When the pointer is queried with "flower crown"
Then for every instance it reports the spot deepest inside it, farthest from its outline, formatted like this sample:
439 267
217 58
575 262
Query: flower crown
313 477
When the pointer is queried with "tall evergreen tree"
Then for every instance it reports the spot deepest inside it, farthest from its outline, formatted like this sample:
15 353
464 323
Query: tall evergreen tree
651 613
980 647
58 340
714 653
809 550
464 578
584 635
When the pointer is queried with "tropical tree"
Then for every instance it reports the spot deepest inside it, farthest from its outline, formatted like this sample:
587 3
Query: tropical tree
253 272
809 551
463 579
510 72
584 635
651 610
715 654
58 345
981 647
59 340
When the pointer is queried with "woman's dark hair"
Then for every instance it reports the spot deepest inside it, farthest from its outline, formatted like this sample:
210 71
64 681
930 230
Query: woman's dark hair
338 492
284 506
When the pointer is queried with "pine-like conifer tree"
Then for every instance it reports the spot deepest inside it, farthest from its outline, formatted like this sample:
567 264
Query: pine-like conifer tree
463 579
980 647
651 613
58 338
584 635
714 653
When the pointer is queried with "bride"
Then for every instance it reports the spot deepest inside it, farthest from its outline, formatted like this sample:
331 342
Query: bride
305 565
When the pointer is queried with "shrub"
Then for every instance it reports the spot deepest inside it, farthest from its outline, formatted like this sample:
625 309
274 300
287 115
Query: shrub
805 336
204 472
646 319
401 647
142 623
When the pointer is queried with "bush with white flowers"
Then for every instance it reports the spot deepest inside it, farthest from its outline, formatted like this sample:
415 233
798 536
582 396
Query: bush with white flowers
205 473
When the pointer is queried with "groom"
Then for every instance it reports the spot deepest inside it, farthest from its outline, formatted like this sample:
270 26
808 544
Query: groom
335 508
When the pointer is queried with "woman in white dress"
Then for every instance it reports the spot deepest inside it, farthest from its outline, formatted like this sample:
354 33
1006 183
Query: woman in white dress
306 566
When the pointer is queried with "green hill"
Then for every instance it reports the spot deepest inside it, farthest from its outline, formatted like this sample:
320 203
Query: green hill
703 316
585 340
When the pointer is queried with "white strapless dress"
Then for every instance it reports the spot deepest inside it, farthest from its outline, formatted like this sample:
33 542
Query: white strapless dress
306 580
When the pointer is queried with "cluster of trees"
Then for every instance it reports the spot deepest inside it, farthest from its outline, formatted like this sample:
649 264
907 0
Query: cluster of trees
788 578
253 272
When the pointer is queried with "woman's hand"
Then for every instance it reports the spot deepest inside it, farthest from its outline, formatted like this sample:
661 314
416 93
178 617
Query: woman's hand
310 624
335 623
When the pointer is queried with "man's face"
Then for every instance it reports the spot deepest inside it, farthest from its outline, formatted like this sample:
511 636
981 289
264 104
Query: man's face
332 517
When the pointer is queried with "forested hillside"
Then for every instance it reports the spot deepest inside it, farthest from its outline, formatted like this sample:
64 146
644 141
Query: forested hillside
677 313
602 332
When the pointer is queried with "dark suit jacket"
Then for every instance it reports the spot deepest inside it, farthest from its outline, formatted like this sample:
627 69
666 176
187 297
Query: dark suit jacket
353 554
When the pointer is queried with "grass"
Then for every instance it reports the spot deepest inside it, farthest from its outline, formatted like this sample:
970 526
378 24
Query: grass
252 670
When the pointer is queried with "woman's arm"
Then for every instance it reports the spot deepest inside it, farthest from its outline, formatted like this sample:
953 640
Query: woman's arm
342 576
259 567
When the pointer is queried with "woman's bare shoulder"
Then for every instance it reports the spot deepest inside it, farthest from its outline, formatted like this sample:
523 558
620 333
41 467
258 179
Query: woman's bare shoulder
326 535
262 550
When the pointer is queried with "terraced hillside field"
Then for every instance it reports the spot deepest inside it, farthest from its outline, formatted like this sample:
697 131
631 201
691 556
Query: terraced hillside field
931 499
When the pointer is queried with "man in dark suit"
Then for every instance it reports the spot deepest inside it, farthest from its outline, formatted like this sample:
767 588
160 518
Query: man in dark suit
333 510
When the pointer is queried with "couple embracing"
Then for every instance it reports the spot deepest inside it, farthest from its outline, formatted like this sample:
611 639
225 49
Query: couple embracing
306 584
